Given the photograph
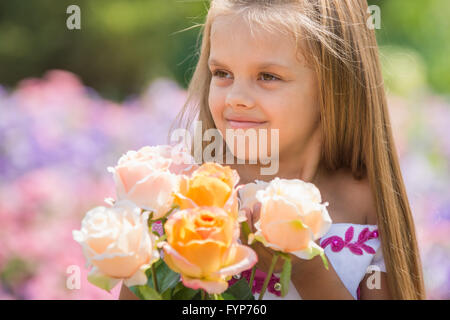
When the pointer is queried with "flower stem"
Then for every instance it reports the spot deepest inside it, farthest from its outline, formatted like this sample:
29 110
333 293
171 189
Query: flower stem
203 294
155 283
252 278
269 275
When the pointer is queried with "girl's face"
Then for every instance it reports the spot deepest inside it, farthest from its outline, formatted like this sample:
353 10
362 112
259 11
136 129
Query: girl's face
258 82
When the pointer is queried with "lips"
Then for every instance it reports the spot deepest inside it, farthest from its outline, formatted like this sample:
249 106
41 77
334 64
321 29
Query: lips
241 122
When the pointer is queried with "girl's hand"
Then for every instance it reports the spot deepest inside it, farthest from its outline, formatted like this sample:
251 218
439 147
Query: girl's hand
264 254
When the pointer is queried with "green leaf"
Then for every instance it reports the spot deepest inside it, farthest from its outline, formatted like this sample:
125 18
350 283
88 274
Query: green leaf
198 295
240 290
165 277
245 228
167 295
285 276
167 281
155 233
146 293
102 281
227 296
177 288
162 238
185 293
149 221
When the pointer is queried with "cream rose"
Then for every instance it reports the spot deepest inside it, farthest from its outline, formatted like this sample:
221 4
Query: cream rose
292 217
248 194
117 243
150 176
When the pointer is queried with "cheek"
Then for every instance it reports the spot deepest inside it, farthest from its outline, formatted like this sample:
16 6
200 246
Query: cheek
216 106
296 118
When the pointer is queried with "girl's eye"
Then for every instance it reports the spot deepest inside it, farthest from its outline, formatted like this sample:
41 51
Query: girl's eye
219 73
270 77
266 76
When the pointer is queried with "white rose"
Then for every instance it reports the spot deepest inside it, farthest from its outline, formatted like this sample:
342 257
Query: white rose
247 194
116 241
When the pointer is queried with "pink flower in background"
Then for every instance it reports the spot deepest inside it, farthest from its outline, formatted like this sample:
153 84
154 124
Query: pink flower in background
56 137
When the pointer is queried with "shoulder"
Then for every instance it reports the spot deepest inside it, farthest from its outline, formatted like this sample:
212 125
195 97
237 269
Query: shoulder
358 197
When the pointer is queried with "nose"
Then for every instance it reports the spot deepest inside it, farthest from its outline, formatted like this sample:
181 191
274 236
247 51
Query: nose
240 96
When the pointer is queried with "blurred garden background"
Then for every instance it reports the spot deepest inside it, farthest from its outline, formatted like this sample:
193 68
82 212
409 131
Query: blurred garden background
73 101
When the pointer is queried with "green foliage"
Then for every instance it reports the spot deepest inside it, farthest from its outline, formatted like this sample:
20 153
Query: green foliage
183 293
421 28
240 290
146 293
171 288
166 279
121 47
124 45
404 70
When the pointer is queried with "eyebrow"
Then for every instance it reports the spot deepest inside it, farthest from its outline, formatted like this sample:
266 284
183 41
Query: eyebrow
262 65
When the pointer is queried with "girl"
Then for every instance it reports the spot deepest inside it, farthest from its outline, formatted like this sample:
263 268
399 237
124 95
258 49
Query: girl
310 68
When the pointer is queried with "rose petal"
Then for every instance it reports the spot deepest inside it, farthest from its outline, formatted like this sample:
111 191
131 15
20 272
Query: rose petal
275 209
243 258
139 278
211 286
248 193
155 193
132 173
180 264
206 254
287 236
310 252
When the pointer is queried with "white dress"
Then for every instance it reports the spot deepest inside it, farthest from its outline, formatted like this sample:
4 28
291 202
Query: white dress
352 250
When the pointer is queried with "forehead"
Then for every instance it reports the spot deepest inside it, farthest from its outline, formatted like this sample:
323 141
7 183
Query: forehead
233 38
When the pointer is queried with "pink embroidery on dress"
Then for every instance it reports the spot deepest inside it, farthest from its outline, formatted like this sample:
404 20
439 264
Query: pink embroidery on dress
337 243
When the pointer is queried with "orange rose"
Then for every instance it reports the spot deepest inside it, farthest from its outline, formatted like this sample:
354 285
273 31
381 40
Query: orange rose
202 246
210 185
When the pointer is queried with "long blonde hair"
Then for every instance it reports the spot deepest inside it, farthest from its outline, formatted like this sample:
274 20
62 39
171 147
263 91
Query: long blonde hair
355 123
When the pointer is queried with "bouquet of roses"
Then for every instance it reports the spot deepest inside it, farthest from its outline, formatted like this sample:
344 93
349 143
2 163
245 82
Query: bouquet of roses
174 220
